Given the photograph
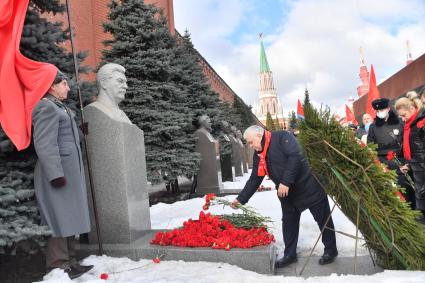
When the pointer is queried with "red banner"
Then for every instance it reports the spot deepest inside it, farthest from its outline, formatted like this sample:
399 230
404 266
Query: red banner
300 110
349 116
373 93
23 82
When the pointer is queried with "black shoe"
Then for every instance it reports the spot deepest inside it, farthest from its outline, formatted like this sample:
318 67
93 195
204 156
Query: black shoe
83 268
73 272
328 258
285 261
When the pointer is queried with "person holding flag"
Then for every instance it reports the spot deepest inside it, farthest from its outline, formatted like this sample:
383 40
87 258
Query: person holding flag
31 95
278 155
59 179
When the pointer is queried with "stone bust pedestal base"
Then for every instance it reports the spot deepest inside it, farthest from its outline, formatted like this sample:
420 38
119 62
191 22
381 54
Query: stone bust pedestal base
117 158
237 158
209 174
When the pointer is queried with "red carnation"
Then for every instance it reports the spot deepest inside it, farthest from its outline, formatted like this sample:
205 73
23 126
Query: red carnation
391 155
156 260
400 196
210 197
104 276
420 124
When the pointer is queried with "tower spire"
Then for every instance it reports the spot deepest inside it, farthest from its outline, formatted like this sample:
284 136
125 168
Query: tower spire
363 88
409 58
264 65
269 101
361 56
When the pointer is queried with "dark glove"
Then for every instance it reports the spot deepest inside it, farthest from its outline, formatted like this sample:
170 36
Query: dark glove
58 182
85 128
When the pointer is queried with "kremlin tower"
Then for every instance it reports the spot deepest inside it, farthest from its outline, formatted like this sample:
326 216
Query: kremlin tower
269 102
364 76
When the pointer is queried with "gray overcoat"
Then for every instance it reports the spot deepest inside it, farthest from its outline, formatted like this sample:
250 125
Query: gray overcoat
57 144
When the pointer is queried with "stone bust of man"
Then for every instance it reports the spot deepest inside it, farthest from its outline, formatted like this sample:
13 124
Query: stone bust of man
112 86
204 123
234 132
225 127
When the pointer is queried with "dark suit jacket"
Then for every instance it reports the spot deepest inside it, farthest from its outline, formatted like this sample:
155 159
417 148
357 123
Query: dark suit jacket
286 165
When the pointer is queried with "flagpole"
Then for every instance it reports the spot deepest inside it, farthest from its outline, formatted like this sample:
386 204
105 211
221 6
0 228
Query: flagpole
96 218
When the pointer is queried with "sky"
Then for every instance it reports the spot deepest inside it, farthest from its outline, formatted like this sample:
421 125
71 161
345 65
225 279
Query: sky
311 44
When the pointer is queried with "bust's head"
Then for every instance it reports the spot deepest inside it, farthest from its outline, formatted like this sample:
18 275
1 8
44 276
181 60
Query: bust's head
225 126
239 134
204 122
234 131
111 82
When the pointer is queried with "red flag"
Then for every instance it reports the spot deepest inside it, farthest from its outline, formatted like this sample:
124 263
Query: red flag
23 82
349 116
300 110
373 93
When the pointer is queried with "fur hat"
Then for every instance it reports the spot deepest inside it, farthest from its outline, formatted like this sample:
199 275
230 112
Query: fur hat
380 103
60 77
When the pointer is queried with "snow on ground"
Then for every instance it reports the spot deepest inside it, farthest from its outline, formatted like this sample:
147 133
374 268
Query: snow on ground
239 182
169 216
124 270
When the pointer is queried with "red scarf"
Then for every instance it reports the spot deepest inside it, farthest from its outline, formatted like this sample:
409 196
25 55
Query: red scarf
406 138
262 165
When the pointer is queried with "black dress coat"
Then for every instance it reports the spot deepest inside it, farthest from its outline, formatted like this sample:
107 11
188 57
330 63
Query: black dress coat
388 135
286 165
417 162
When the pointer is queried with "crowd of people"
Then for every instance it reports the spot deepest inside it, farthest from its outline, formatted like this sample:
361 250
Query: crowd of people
400 130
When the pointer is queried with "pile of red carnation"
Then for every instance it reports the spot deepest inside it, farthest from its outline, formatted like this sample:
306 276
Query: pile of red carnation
211 231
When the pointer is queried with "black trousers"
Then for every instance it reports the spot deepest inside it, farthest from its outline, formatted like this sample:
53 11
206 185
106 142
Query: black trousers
419 179
291 225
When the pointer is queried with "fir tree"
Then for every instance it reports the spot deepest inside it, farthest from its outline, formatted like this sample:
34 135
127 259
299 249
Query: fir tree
277 125
243 112
159 90
19 216
306 98
201 99
269 122
293 120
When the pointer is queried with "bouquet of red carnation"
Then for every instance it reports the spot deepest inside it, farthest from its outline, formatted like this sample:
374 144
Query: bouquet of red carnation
392 156
219 232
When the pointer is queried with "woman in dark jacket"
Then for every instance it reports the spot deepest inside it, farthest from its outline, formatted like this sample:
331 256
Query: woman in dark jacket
410 109
387 132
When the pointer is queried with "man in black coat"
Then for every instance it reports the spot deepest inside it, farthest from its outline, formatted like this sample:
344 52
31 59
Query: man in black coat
297 188
387 132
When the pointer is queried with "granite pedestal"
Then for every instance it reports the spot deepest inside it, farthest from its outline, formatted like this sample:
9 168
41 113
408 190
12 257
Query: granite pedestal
249 153
227 174
117 158
209 173
259 259
237 158
244 158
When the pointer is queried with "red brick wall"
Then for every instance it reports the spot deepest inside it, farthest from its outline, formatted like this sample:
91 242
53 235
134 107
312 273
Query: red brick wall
410 77
167 7
87 17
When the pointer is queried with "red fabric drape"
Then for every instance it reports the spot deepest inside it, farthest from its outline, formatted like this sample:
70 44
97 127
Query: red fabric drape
373 93
23 82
